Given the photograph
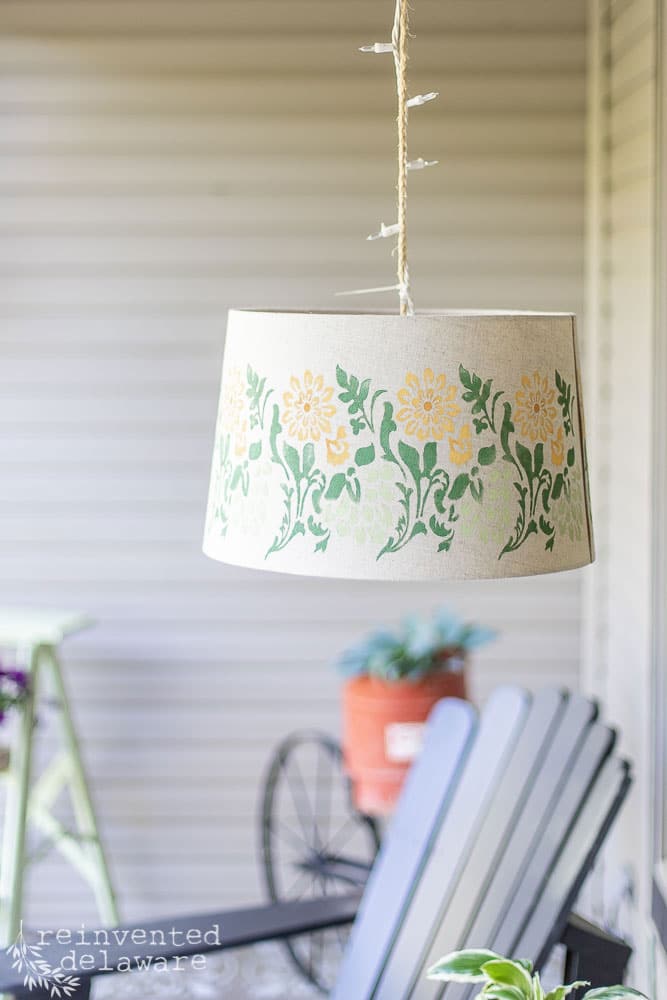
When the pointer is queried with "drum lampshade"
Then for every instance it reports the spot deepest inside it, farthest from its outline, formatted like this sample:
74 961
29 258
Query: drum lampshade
446 445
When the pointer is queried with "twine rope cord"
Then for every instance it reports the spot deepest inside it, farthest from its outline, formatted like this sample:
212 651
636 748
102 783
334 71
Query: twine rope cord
398 46
399 38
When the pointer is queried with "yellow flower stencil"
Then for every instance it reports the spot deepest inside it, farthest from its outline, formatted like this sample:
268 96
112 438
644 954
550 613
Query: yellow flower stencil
535 410
233 416
308 408
460 448
558 448
467 453
338 450
428 407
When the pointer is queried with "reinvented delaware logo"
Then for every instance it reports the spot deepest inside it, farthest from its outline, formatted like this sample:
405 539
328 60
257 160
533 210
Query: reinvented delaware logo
37 973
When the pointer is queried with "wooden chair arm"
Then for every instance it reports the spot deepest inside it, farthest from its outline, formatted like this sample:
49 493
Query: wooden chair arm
184 936
593 954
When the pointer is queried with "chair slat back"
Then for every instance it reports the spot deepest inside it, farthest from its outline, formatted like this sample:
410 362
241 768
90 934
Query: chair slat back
449 735
573 759
500 727
542 859
554 727
592 824
497 828
434 929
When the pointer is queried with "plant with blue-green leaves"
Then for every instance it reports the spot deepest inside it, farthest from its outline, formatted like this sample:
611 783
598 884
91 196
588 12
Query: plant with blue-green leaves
514 979
421 646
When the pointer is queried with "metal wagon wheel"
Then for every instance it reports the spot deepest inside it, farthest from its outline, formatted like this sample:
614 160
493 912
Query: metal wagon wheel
314 842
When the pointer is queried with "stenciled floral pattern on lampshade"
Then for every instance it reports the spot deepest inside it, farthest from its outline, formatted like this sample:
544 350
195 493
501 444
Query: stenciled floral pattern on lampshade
371 446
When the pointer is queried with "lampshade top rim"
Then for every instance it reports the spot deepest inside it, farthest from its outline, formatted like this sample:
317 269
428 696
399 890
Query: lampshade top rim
419 313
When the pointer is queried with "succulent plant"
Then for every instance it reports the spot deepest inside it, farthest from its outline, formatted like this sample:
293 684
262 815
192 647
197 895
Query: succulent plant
421 646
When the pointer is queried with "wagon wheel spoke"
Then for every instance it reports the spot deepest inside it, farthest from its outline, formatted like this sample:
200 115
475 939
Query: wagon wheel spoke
338 841
317 946
308 817
298 799
291 891
323 800
281 831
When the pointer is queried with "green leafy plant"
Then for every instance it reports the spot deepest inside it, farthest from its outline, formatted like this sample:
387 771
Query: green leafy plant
513 979
421 646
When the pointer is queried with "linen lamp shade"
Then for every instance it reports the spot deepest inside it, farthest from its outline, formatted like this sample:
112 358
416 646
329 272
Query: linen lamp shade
441 445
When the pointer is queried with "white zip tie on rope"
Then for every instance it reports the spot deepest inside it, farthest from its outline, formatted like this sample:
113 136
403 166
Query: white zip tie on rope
377 47
384 232
368 291
420 163
398 46
416 102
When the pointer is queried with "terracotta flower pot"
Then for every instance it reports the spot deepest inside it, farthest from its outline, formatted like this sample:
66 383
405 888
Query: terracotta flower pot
383 724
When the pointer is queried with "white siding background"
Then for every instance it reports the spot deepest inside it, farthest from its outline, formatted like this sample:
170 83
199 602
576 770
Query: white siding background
621 329
159 161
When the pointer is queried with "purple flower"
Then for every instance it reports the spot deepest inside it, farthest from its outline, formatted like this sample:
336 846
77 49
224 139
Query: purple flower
13 689
18 677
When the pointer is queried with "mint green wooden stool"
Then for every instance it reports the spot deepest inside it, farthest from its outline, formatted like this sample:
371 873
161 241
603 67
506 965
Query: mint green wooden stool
33 638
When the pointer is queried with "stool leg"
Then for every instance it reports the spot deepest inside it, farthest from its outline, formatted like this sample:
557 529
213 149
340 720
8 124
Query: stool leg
81 800
12 860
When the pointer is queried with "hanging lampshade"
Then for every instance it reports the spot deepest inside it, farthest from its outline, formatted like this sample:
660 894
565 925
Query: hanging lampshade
446 445
400 447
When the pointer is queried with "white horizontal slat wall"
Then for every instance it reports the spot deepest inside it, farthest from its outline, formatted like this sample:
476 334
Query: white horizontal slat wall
159 161
623 224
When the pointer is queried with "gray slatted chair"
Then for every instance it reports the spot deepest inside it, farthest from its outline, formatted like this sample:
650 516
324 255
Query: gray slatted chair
499 823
